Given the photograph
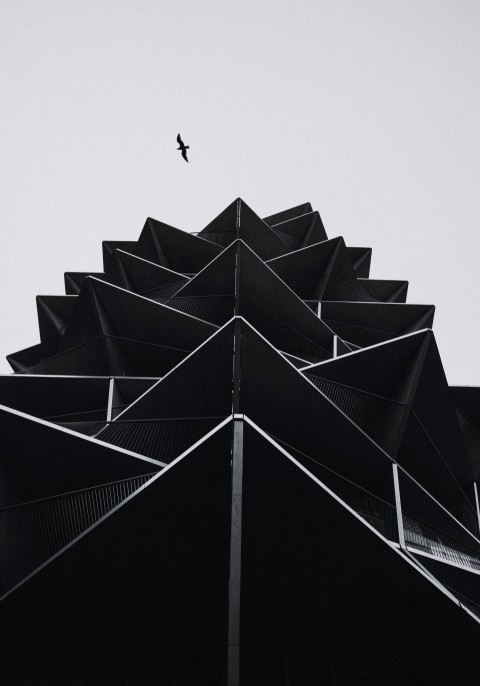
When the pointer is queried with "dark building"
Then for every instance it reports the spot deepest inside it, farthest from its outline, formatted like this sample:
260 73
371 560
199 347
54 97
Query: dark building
234 460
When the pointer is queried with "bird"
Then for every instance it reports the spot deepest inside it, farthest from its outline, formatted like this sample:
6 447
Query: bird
182 147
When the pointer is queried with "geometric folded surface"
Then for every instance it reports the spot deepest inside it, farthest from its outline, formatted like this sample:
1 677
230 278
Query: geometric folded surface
288 214
361 259
174 249
146 278
206 373
128 597
398 394
373 385
239 281
386 291
34 531
114 331
40 459
318 605
234 459
54 312
322 271
300 231
238 221
466 400
364 324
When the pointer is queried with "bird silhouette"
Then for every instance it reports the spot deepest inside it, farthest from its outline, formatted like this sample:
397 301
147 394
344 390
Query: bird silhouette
182 147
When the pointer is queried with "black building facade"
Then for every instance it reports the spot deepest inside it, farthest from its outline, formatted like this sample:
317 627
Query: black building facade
234 459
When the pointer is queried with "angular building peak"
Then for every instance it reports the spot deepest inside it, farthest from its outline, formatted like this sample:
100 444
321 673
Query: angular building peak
234 459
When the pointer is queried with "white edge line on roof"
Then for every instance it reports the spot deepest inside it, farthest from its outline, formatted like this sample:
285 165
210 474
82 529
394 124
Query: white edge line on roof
117 507
174 368
152 302
19 375
297 216
307 247
391 544
330 402
442 560
70 432
178 293
370 347
328 329
153 264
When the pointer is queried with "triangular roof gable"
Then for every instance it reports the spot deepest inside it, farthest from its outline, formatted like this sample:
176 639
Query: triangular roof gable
301 231
239 221
173 248
290 213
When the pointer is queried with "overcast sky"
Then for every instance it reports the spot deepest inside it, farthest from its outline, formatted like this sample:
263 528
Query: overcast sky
369 109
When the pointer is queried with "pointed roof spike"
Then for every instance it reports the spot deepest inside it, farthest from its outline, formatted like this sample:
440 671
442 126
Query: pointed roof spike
301 231
54 313
291 519
361 259
385 290
238 220
322 271
173 248
144 277
364 323
285 215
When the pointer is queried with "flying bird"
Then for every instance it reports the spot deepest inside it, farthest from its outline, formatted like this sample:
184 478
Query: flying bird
182 147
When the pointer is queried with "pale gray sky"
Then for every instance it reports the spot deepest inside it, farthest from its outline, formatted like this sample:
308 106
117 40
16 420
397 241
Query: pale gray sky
369 109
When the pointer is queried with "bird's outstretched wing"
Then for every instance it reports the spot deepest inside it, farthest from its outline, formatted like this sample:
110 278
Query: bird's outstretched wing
184 154
179 140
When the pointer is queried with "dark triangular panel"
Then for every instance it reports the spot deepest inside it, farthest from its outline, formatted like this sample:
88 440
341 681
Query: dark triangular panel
466 400
223 229
25 359
126 390
108 248
386 291
321 272
163 421
461 582
285 215
238 221
147 344
153 321
146 278
396 389
365 324
217 278
83 325
434 410
361 259
51 396
74 281
174 249
429 527
54 312
373 386
263 299
210 294
306 272
303 418
432 449
317 605
35 531
301 231
164 585
226 464
44 460
278 314
210 361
